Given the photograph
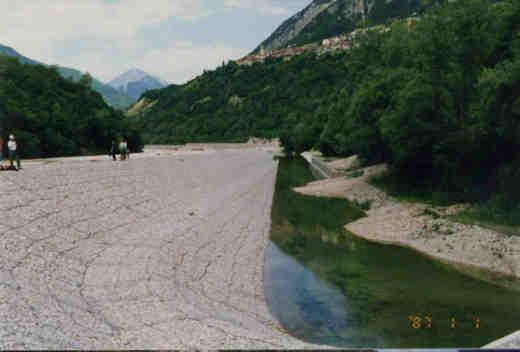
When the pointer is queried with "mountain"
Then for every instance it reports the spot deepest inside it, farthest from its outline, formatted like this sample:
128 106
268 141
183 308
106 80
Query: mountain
7 51
135 82
327 18
111 96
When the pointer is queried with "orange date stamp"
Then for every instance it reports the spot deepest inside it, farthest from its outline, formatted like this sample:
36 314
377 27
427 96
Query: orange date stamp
427 322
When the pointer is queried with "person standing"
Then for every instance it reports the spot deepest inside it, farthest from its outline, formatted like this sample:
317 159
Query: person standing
1 152
123 149
12 147
113 150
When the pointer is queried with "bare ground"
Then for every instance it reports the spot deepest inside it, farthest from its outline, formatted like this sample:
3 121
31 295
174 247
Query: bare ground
165 251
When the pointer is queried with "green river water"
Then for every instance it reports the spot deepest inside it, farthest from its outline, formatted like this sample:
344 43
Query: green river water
327 286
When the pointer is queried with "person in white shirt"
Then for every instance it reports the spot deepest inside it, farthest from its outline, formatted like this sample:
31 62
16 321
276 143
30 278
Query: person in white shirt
12 147
123 148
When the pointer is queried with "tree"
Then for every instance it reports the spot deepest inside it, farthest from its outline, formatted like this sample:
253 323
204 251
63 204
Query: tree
52 116
86 80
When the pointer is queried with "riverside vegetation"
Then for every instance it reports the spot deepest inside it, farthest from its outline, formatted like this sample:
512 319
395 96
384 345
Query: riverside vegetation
438 100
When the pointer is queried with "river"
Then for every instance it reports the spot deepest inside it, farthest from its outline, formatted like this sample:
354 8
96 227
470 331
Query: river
326 286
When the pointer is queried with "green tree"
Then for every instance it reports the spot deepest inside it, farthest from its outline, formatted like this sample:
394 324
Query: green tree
86 80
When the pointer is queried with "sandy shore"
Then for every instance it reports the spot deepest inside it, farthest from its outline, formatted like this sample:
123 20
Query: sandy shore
164 251
477 251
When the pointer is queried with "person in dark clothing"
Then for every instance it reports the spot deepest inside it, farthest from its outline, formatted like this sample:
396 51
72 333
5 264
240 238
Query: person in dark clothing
113 150
1 151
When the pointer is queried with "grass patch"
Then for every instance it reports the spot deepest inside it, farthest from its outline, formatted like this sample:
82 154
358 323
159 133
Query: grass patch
496 214
356 173
496 220
366 205
413 192
431 213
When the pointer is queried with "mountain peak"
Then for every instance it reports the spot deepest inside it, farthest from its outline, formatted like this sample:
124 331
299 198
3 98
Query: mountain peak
131 75
135 82
136 70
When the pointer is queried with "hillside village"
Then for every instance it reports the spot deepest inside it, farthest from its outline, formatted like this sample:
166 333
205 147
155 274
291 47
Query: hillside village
329 45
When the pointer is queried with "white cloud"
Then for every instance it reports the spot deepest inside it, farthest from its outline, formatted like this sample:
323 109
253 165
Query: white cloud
185 60
105 37
31 25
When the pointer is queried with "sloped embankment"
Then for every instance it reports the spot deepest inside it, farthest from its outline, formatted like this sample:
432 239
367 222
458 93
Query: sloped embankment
477 251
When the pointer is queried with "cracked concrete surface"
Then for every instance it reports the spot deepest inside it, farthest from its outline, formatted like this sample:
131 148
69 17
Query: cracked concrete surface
158 252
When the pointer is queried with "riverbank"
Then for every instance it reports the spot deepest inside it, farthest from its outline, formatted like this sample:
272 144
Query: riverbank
511 341
475 250
328 286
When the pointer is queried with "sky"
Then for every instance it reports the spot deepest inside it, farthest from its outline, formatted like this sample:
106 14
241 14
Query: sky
174 40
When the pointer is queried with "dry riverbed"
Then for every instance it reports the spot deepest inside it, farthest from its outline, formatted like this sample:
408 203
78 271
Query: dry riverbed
164 251
475 250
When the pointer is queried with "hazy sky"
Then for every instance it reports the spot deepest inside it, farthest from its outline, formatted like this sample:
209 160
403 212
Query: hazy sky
172 39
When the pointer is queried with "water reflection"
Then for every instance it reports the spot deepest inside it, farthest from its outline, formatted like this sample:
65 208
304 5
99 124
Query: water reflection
311 306
327 286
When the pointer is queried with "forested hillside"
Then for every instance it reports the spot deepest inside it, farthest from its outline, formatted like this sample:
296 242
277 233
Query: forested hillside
439 101
235 102
113 97
52 116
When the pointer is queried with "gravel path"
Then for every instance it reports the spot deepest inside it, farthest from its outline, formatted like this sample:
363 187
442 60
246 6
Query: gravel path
159 252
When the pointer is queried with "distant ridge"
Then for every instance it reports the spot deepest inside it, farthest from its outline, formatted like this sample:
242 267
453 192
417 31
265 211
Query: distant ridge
8 51
135 82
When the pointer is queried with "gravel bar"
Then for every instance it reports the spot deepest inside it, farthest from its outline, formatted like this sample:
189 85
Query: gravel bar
163 251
